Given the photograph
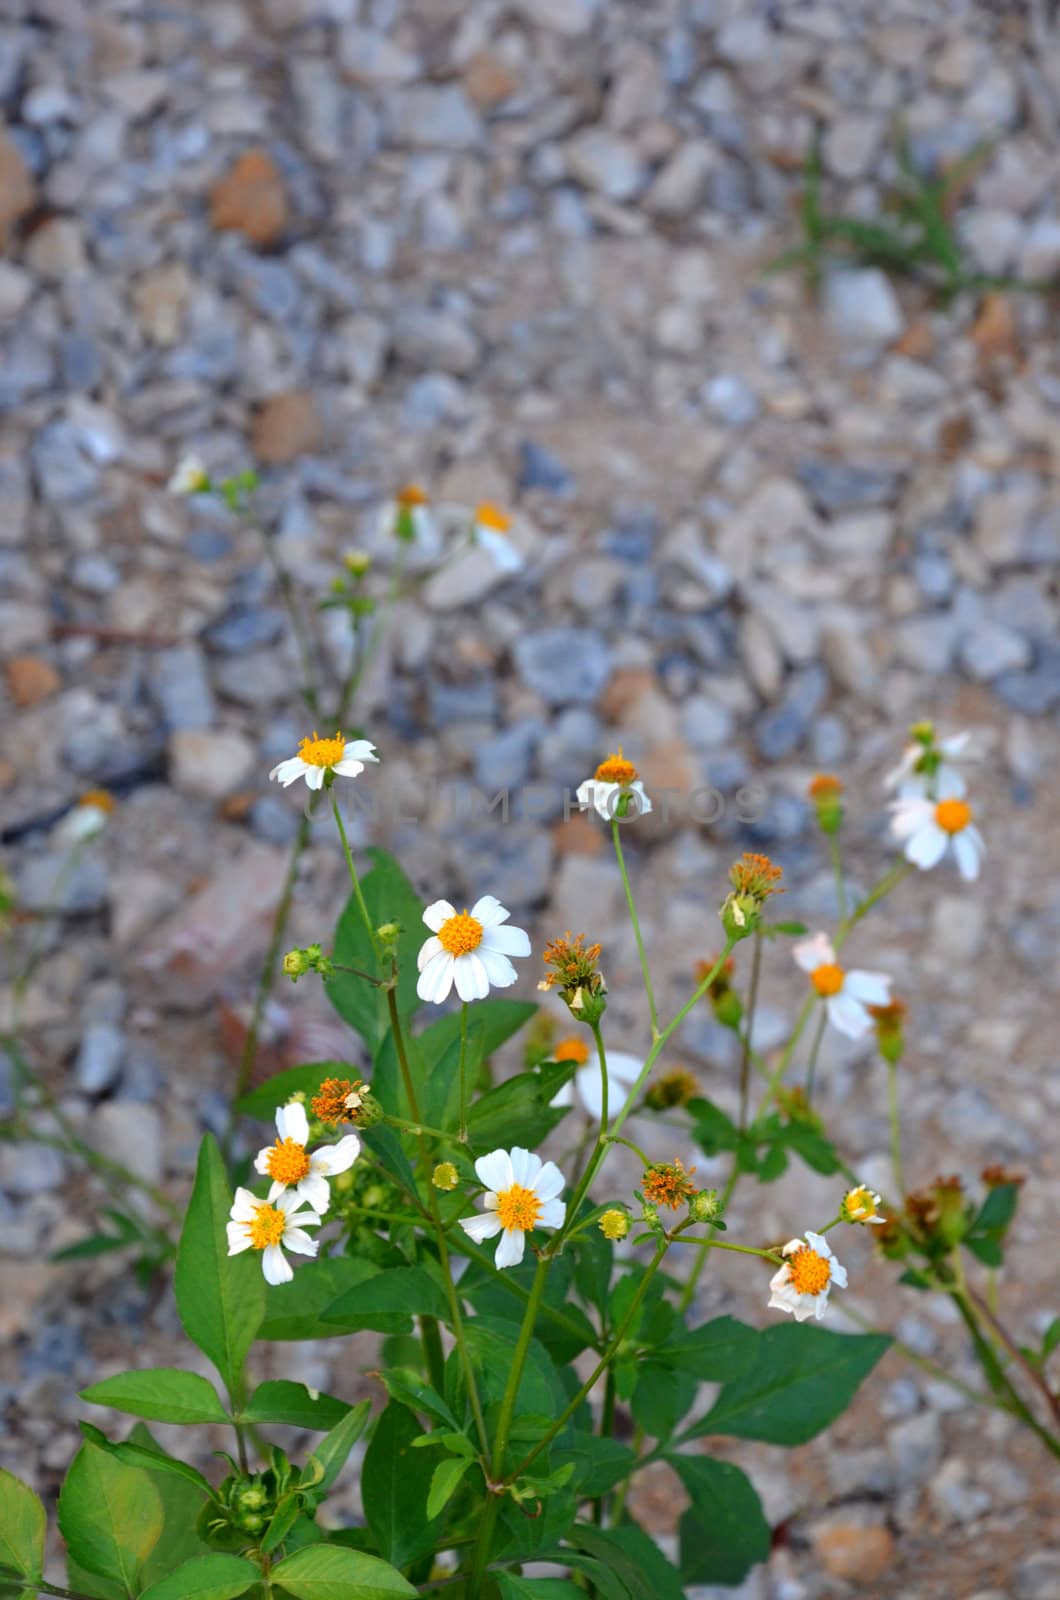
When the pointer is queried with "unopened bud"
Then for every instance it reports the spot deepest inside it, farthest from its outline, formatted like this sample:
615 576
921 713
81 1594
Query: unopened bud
357 562
295 964
369 1111
614 1224
388 933
445 1176
705 1206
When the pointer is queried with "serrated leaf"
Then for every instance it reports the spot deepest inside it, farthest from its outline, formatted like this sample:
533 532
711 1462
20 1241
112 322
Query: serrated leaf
22 1527
292 1404
135 1455
804 1377
395 1483
212 1577
221 1298
716 1352
161 1394
724 1532
445 1482
110 1515
385 1303
329 1572
294 1310
634 1559
333 1449
599 1463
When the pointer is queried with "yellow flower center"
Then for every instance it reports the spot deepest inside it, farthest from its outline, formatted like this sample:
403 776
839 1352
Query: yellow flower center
101 799
518 1208
267 1226
461 934
287 1161
616 769
411 495
827 979
809 1271
953 816
860 1204
571 1050
317 752
492 516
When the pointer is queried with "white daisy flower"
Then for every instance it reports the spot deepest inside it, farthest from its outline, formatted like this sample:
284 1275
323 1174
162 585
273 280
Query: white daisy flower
470 949
490 532
317 757
190 477
926 829
622 1073
929 770
259 1225
410 518
522 1193
612 779
290 1166
846 995
88 817
861 1204
802 1284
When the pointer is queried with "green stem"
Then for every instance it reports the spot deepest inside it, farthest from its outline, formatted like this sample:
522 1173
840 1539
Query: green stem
418 1127
689 1290
742 1249
930 1368
290 600
601 1366
463 1073
433 1353
354 879
815 1050
996 1373
480 1559
1032 1374
634 919
637 1151
456 1315
598 1150
840 881
752 1005
896 1127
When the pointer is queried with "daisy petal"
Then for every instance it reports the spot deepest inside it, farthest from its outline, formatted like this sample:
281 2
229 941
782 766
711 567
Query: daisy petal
482 1227
470 977
314 1190
489 911
337 1157
292 1122
506 941
499 970
848 1015
926 847
510 1249
436 913
871 988
275 1265
428 950
812 953
495 1171
238 1238
315 779
526 1167
966 856
549 1181
436 979
294 1239
553 1214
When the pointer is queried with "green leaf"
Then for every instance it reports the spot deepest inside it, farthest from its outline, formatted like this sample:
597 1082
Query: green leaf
445 1482
221 1298
333 1449
386 1302
803 1378
110 1515
294 1310
183 1493
724 1532
389 897
295 1405
498 1019
1051 1338
22 1527
715 1352
599 1463
632 1558
281 1522
306 1079
213 1577
491 1346
411 1391
328 1572
789 930
712 1130
395 1483
162 1394
513 1588
135 1455
661 1397
515 1112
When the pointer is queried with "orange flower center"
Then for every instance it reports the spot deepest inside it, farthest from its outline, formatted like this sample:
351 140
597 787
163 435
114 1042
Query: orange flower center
460 934
571 1050
492 516
317 752
827 979
267 1226
411 495
518 1208
953 816
616 769
810 1272
287 1161
101 799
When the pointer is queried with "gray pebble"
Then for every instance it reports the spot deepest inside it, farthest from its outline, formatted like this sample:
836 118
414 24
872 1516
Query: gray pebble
100 1057
563 665
180 687
503 762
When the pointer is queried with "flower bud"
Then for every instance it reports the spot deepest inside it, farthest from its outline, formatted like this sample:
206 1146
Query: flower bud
826 793
614 1223
445 1176
357 562
370 1111
860 1204
675 1088
252 1498
296 963
388 934
705 1206
649 1214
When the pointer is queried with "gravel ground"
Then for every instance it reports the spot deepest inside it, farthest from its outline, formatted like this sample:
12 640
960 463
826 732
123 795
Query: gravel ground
514 251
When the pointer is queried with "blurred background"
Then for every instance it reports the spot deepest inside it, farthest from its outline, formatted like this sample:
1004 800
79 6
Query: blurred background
743 312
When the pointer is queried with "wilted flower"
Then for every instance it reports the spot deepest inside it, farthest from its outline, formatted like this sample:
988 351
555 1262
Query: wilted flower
666 1183
614 790
728 1007
889 1022
802 1284
259 1225
470 949
674 1088
88 817
754 878
997 1176
846 994
826 794
522 1194
576 975
319 759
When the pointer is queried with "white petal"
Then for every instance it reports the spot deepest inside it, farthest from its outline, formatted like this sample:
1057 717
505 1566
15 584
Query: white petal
359 750
807 1306
498 969
848 1015
872 988
909 816
508 941
623 1068
276 1188
510 1249
495 1171
470 978
315 777
489 911
436 913
525 1166
839 1272
584 794
287 772
314 1191
818 1242
565 1097
244 1206
644 806
792 1245
275 1265
815 952
292 1122
238 1238
553 1214
303 1219
348 768
436 979
966 856
949 785
927 846
428 950
294 1239
481 1227
336 1157
590 1090
261 1160
549 1182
